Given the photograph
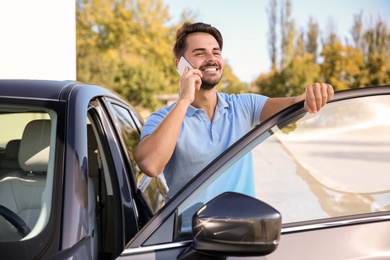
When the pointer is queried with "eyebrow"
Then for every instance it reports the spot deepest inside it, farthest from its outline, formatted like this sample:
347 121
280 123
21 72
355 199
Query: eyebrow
204 49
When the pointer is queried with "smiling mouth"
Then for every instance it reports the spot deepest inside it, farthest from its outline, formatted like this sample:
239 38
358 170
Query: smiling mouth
211 69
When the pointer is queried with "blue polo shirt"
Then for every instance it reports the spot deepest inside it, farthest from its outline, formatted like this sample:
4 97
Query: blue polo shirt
201 140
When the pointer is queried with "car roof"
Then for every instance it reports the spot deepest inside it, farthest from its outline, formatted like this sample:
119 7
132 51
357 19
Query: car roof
42 89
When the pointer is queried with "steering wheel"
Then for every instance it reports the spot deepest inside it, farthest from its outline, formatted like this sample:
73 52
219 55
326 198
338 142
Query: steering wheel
15 220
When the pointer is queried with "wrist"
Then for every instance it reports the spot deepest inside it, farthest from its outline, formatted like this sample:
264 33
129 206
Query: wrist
299 98
184 101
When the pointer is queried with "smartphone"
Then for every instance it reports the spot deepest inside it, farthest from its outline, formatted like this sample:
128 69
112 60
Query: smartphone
182 64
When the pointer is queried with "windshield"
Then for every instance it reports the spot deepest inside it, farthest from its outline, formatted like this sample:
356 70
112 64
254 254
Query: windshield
27 140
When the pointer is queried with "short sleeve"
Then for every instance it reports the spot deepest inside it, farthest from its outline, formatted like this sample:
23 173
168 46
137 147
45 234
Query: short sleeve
253 104
153 121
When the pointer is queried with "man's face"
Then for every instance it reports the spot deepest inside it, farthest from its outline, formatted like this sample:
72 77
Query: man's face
204 53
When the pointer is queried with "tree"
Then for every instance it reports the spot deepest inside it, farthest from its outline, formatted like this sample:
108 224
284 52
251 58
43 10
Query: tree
312 39
357 30
341 65
272 40
125 45
287 34
271 84
230 83
301 72
291 81
363 63
300 49
376 48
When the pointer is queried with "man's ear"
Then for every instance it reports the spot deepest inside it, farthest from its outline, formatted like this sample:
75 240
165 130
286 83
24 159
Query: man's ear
176 62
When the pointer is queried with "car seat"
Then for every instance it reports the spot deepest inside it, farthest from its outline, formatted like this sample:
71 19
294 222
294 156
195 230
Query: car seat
9 163
21 191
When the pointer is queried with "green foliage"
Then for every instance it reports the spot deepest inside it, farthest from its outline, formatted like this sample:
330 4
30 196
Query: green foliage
230 83
126 46
377 71
292 80
366 63
376 48
287 26
312 39
342 65
136 83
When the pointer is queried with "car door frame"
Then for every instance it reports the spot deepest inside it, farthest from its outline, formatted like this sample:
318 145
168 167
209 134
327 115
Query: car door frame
164 220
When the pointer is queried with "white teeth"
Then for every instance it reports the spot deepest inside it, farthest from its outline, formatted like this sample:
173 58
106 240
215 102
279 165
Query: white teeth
211 69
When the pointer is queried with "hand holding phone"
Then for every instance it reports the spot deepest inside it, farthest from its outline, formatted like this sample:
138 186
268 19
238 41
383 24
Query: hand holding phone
182 64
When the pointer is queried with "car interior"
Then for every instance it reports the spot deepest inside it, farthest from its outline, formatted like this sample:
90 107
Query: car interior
26 174
25 197
27 149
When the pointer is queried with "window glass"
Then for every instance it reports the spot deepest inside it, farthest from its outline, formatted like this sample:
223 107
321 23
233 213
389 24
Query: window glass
334 163
27 145
153 190
129 133
328 165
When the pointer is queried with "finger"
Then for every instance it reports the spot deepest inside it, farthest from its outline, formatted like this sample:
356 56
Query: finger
324 94
319 96
193 81
198 83
186 69
310 104
330 91
306 107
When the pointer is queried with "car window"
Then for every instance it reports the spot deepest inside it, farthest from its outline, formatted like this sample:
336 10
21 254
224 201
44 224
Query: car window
27 141
153 190
335 163
328 165
128 131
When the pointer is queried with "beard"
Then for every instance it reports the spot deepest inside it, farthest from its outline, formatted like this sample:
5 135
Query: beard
208 84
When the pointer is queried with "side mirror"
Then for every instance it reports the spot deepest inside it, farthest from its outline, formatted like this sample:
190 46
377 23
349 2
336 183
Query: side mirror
234 224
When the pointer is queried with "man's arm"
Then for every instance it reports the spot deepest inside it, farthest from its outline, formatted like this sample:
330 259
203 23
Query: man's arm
154 151
315 96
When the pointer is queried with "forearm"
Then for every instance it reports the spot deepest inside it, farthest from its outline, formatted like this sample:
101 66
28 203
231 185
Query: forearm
274 105
155 150
315 96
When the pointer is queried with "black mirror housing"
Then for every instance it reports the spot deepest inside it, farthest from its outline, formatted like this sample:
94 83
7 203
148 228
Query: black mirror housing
234 224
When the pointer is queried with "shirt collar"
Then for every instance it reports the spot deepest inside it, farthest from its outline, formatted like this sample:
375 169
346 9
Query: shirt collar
221 105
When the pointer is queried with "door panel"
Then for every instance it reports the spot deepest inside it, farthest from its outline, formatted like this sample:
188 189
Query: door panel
326 173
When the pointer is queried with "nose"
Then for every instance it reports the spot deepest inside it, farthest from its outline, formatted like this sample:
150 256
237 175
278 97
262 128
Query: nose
210 57
211 60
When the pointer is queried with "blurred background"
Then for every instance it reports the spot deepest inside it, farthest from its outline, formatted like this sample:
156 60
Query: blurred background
272 47
127 45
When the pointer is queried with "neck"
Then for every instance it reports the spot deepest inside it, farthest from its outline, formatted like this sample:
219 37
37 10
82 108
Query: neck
206 100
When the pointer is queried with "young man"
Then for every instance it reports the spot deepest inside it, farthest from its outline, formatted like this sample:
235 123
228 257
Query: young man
183 138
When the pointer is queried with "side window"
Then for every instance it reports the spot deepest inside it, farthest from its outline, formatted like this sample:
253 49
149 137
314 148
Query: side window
313 167
129 132
153 190
332 164
26 171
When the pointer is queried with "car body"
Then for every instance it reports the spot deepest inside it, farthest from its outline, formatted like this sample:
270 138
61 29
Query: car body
70 188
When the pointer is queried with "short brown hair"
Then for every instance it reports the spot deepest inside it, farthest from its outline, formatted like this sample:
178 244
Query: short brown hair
182 33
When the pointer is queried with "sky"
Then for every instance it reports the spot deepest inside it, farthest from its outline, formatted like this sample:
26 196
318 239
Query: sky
38 39
244 25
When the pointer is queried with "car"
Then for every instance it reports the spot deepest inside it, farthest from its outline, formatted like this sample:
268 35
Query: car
70 187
